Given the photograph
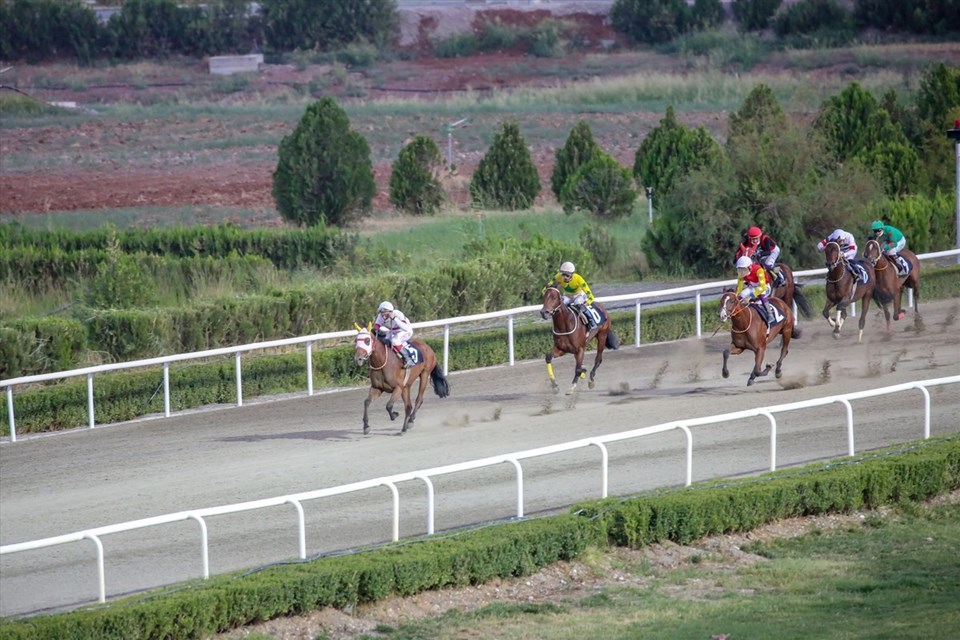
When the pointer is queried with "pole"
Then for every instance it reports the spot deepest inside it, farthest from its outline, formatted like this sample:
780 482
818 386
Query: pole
954 134
449 148
650 204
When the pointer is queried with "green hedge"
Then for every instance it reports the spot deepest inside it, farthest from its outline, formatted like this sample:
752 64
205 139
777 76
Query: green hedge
201 608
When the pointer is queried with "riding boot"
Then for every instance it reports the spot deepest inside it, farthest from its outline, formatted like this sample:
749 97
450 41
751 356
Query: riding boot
902 266
407 360
777 277
402 354
771 314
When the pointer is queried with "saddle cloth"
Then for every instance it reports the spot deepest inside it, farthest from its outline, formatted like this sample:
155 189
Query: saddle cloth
778 317
903 266
859 272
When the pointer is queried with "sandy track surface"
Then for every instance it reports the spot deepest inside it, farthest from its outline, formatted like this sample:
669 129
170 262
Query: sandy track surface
69 482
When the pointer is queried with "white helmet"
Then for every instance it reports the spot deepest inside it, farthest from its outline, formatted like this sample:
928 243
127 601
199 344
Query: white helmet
744 262
567 267
385 306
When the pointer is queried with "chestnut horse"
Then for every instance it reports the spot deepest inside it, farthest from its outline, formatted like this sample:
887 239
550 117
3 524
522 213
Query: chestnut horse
570 336
843 289
789 291
748 332
890 284
387 374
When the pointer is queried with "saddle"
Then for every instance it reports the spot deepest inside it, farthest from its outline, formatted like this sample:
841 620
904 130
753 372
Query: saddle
858 271
776 278
777 316
590 316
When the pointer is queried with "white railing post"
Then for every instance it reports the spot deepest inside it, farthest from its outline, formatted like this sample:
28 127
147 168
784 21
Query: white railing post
446 349
90 417
301 528
13 425
516 464
773 439
430 503
699 334
396 508
604 468
309 367
166 389
101 573
239 378
636 326
926 411
510 339
204 544
846 403
689 478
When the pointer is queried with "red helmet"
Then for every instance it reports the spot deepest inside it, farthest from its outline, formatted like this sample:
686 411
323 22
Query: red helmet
754 232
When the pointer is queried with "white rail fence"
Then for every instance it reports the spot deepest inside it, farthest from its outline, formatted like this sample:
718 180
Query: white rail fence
696 290
426 475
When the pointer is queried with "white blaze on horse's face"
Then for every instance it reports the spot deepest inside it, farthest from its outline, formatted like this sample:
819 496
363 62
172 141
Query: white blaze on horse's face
364 345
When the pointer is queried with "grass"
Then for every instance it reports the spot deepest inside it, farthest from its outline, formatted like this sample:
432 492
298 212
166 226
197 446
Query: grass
896 577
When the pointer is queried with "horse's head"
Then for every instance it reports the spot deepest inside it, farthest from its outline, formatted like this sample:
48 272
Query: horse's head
832 255
728 305
552 301
364 345
872 252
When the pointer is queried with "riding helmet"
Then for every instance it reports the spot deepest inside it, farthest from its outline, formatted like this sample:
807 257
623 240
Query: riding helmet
385 306
567 267
754 232
743 262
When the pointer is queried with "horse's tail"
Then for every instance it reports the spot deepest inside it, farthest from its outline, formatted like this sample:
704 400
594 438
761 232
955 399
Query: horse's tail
802 303
440 384
612 343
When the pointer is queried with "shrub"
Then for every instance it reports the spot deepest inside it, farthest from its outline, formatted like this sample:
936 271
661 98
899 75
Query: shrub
506 177
601 187
651 21
40 29
706 14
414 185
810 16
156 28
754 15
326 25
670 152
324 173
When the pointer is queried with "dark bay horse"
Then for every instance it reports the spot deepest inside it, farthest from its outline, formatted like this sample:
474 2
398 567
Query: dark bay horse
570 336
748 332
843 289
789 291
889 283
387 374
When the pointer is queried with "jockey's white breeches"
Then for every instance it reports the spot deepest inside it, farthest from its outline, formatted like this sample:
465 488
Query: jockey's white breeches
894 249
579 298
770 260
397 336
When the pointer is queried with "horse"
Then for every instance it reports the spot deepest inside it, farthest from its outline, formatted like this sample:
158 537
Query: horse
387 374
890 284
748 331
789 291
570 336
843 289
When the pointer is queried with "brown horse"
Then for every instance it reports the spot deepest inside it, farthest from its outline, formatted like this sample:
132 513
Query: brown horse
748 331
387 374
570 336
844 289
789 291
890 283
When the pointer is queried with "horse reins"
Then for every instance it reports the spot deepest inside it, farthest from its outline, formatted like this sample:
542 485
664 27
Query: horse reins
576 316
737 309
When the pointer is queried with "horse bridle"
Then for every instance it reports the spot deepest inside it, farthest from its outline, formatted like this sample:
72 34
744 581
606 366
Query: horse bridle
832 265
876 261
560 305
373 348
738 307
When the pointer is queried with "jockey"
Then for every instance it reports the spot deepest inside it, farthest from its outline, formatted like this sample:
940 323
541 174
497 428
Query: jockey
395 328
892 242
763 248
752 283
848 247
576 292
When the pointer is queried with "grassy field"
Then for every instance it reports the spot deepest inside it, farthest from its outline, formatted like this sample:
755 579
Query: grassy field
880 577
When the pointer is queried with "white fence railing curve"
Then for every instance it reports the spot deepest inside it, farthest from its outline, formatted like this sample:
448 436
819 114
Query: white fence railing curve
696 290
425 475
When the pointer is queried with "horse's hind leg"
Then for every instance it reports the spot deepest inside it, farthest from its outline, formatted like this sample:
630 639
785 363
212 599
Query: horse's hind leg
407 410
758 369
784 344
424 380
578 372
601 340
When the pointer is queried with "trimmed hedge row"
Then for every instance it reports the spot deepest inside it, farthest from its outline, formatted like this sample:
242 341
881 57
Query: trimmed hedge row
200 609
128 395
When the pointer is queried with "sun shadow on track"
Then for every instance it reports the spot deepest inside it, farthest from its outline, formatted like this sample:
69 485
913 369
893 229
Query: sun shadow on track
319 434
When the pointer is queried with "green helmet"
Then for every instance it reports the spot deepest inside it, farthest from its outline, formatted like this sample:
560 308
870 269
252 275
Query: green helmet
877 225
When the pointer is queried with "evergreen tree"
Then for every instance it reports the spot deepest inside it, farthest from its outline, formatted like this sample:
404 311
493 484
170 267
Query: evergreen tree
670 152
324 173
414 185
601 187
651 21
328 24
506 177
754 15
579 149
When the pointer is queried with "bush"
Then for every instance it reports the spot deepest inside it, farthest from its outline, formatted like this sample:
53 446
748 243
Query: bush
324 173
39 29
754 15
506 177
601 187
651 21
670 152
157 29
811 16
326 25
414 185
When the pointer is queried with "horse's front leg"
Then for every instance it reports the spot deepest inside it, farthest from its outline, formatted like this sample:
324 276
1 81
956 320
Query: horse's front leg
841 316
784 343
374 393
393 399
863 316
898 311
555 353
826 313
758 369
734 350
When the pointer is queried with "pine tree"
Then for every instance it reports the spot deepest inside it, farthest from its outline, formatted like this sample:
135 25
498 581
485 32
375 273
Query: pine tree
324 173
506 177
414 185
579 149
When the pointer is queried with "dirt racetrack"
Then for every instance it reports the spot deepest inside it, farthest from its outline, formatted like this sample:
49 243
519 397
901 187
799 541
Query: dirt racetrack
58 484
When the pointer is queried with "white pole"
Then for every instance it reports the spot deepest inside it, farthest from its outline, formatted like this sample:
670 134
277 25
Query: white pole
956 146
650 204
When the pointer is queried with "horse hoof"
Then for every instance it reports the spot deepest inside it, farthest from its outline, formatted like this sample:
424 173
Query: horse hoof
725 374
778 374
836 335
591 384
750 382
366 429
